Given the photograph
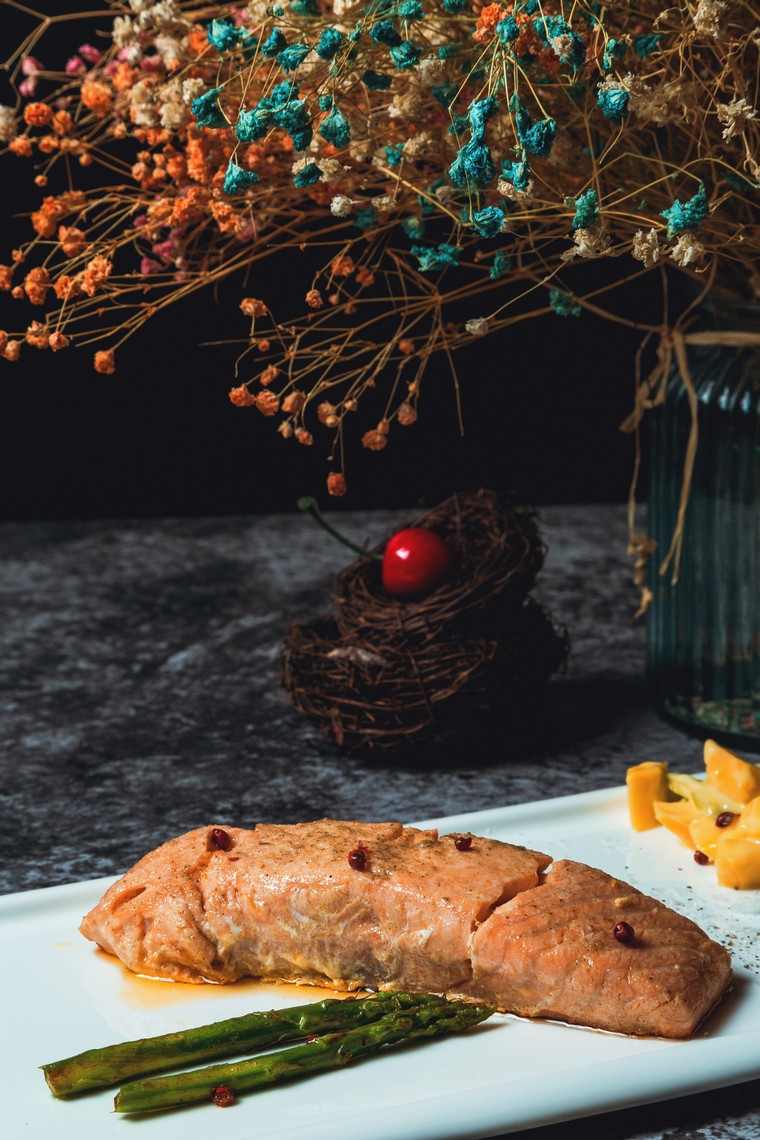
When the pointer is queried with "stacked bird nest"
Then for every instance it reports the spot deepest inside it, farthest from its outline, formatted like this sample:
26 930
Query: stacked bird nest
386 671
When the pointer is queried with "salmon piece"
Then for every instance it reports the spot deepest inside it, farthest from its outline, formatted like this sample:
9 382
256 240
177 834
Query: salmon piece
487 923
550 952
283 904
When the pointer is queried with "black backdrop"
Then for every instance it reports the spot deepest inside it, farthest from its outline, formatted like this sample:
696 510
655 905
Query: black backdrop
542 405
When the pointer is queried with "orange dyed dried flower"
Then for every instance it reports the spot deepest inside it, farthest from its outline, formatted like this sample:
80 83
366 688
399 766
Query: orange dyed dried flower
36 285
406 414
267 403
241 397
6 277
71 240
253 307
336 484
342 265
105 361
96 97
305 437
406 346
270 373
37 114
375 440
37 335
314 299
293 402
58 341
12 351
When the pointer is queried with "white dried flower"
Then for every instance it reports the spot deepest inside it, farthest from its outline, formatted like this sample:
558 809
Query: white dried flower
707 17
143 110
331 168
170 50
735 115
589 243
507 190
124 33
660 104
257 11
646 247
687 251
477 326
421 145
341 206
384 203
191 89
431 70
8 123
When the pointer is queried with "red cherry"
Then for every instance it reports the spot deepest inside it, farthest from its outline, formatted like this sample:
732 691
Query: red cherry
415 562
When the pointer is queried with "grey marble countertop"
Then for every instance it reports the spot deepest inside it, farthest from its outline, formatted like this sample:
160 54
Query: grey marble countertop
139 697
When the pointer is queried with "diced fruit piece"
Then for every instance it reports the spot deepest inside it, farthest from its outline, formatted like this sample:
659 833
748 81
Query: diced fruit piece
677 818
706 835
737 861
702 795
749 820
647 783
730 774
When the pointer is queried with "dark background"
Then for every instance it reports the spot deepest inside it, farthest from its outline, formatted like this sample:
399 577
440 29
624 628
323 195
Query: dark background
542 403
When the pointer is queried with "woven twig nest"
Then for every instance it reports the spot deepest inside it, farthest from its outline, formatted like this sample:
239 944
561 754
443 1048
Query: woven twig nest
365 695
386 671
497 553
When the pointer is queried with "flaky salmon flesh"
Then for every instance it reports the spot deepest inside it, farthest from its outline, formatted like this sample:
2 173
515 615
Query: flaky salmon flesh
417 911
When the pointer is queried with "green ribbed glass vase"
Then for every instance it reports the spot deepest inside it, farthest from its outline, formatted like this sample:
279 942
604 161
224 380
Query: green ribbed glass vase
704 631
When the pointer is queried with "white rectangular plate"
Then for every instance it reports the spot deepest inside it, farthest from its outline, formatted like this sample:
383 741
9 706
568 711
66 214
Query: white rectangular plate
58 996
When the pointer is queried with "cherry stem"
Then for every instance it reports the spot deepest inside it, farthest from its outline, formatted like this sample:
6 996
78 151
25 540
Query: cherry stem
309 506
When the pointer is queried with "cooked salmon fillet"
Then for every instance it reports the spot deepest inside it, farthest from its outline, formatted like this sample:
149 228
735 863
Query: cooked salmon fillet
550 952
416 912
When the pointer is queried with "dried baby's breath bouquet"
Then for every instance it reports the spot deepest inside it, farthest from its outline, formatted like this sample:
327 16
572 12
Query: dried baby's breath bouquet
455 162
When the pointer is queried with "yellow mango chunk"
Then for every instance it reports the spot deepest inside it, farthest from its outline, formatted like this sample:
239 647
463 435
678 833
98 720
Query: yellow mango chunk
749 820
677 817
647 783
731 775
705 833
737 861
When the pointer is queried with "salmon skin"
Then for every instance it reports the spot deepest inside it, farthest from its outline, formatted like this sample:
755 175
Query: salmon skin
466 916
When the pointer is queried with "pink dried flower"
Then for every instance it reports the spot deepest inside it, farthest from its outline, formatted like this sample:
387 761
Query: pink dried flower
74 65
30 65
149 265
90 53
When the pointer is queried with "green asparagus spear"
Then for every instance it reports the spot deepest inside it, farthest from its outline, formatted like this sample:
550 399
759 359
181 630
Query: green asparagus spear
98 1068
332 1051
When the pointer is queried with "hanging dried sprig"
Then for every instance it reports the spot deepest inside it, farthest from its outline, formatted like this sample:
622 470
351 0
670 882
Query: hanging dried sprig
456 161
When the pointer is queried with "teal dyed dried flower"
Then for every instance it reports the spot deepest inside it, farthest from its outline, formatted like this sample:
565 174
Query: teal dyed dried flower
376 81
683 216
393 153
292 57
223 35
507 30
366 218
614 50
501 265
454 7
411 10
336 129
273 44
586 210
647 43
488 221
307 175
473 165
568 45
517 174
329 43
405 55
206 110
613 102
564 304
431 257
237 180
536 138
385 32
